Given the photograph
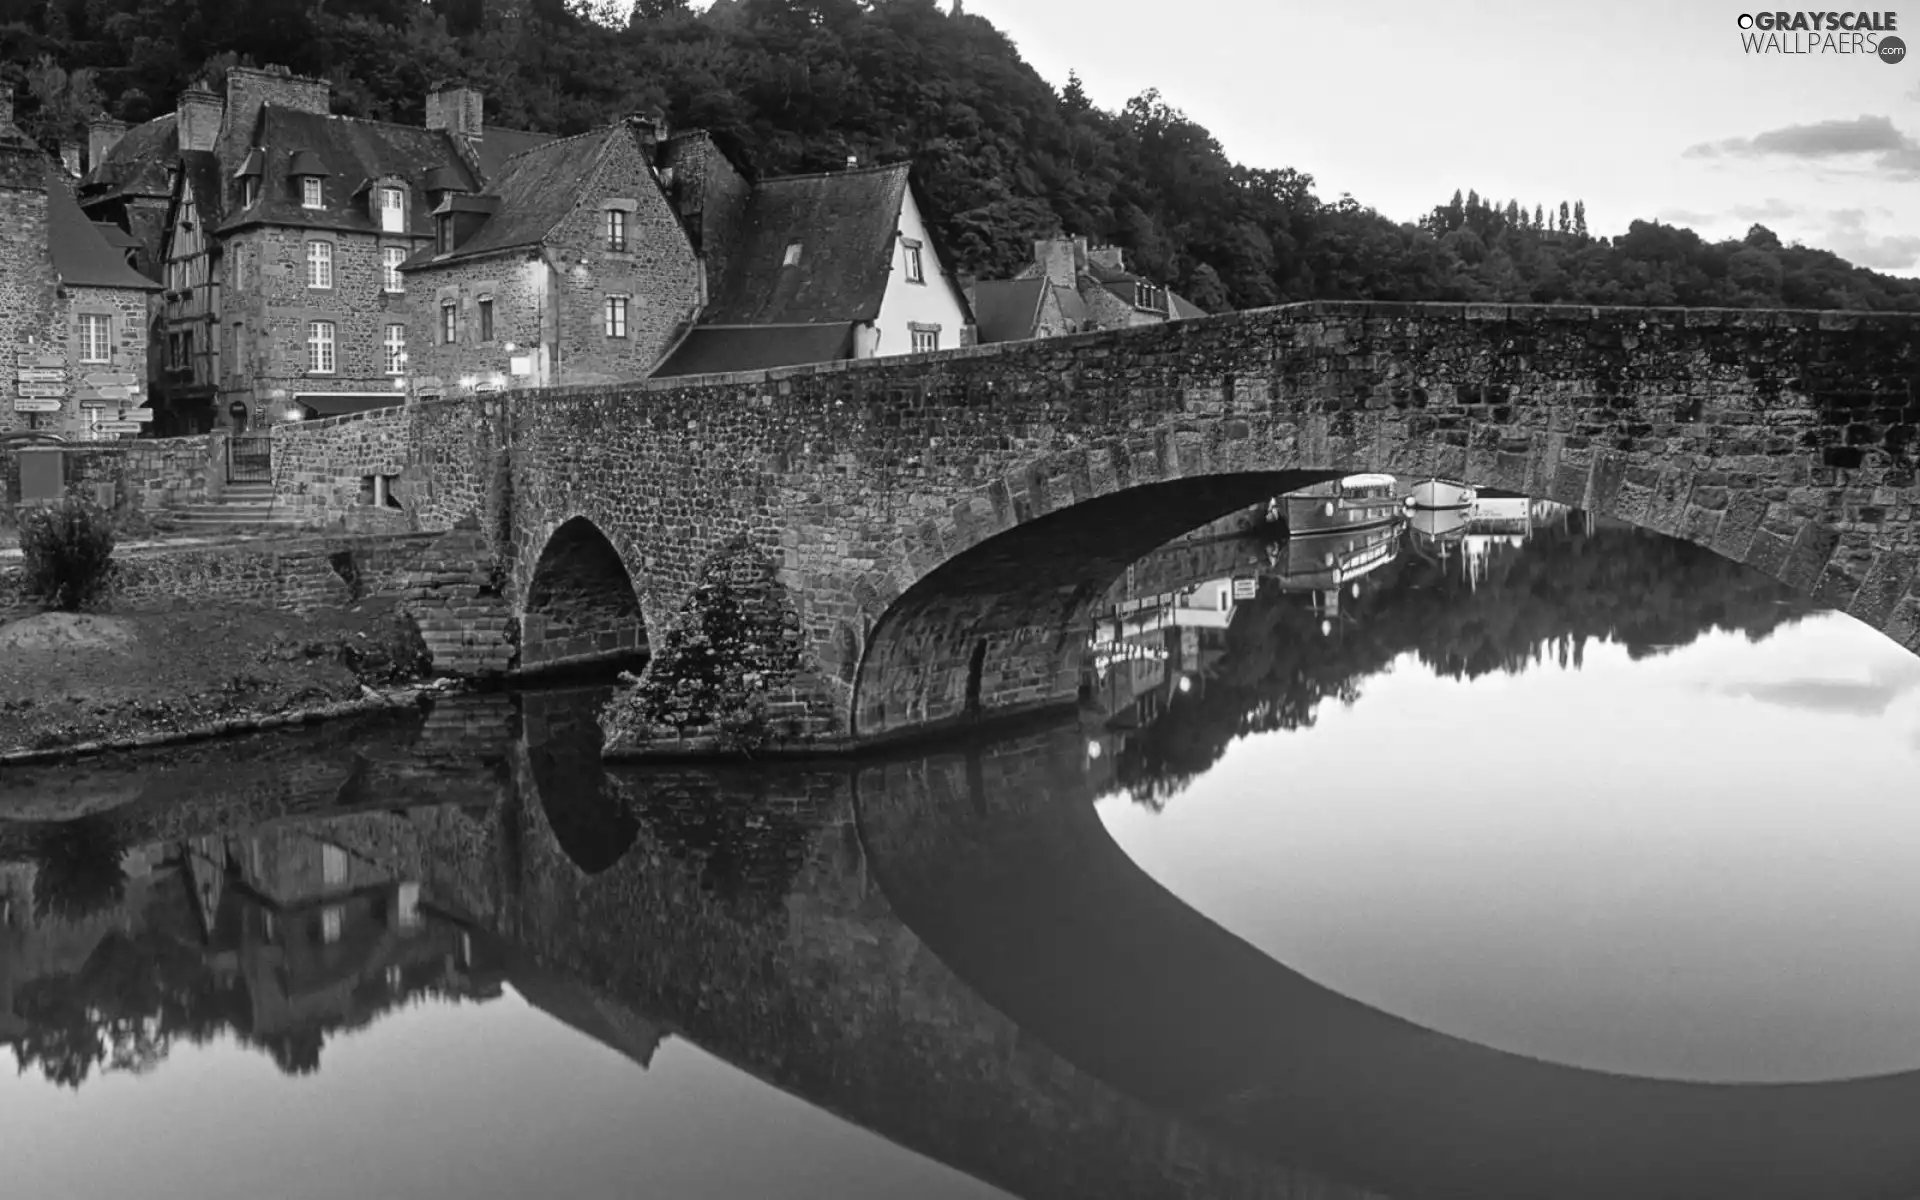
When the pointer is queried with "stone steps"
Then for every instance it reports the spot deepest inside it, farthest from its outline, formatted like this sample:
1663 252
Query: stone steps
239 504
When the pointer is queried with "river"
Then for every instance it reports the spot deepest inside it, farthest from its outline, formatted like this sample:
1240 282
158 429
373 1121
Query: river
1529 857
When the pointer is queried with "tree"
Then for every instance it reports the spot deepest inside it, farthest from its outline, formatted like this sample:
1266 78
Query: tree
1580 219
1566 220
1539 217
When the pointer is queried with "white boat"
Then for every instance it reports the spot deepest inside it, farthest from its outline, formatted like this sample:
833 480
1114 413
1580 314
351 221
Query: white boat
1440 493
1356 502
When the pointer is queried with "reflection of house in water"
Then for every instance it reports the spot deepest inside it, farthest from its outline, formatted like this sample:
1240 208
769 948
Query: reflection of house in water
302 939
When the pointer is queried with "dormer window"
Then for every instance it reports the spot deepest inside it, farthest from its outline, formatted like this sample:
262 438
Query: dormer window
308 173
443 234
1149 297
249 191
793 255
249 177
393 209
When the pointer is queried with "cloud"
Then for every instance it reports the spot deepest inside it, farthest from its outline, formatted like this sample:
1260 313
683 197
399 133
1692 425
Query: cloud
1848 236
1821 695
1896 153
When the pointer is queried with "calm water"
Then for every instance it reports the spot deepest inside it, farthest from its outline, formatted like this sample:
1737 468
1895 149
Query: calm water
1525 859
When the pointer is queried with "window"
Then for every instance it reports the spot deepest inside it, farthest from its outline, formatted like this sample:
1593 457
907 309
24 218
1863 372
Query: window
915 273
486 318
333 865
249 192
320 348
310 191
96 333
319 264
390 260
616 316
442 234
449 322
926 338
793 255
616 229
396 347
393 210
331 920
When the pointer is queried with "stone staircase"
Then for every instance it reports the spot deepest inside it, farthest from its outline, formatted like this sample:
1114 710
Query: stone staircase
240 504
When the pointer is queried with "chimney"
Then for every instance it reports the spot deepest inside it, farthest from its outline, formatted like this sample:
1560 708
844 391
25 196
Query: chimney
1110 257
458 109
1056 260
70 158
250 88
103 134
198 113
853 160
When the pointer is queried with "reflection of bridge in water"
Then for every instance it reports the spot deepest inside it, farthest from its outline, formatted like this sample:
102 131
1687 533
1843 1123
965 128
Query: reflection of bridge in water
949 950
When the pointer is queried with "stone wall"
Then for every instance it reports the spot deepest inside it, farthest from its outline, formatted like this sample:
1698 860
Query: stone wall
138 476
1782 440
296 575
321 470
453 593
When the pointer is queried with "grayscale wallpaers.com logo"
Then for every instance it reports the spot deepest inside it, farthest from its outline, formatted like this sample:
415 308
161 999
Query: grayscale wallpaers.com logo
1823 33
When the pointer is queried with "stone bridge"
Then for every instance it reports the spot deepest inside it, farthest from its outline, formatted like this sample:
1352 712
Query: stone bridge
938 524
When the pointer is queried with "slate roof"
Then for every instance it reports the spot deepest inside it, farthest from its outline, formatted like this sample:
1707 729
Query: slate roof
1183 309
711 349
137 164
845 222
1006 310
357 152
536 191
81 255
498 145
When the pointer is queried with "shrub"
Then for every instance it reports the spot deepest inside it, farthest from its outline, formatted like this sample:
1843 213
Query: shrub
67 549
710 673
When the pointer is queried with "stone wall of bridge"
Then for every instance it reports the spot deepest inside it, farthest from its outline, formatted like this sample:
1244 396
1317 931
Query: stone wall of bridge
1782 440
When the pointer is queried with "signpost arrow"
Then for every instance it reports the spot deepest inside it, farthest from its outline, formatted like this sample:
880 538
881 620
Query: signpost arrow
139 416
99 378
118 427
41 375
40 391
31 404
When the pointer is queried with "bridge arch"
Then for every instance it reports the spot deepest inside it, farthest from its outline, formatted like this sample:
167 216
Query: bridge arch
581 604
1016 566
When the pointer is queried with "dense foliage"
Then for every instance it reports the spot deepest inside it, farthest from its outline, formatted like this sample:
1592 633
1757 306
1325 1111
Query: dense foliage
67 552
1003 157
1553 595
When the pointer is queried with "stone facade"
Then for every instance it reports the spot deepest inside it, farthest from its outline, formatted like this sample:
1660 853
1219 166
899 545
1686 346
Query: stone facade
28 315
268 312
548 304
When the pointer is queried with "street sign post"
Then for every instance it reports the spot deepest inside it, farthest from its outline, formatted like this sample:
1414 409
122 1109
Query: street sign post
37 404
39 391
41 375
140 416
118 427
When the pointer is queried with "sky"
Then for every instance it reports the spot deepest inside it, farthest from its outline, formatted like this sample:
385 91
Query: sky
1645 109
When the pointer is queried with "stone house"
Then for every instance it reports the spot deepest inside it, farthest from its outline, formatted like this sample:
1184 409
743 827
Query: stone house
283 231
73 312
571 267
815 268
1072 287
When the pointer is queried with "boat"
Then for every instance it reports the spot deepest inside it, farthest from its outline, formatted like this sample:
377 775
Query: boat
1440 493
1356 502
1317 564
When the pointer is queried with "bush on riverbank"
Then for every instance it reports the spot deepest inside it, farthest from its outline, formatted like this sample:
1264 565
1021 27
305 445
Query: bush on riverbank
67 553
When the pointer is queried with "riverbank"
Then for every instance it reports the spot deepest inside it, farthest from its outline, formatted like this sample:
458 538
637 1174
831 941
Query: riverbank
164 672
